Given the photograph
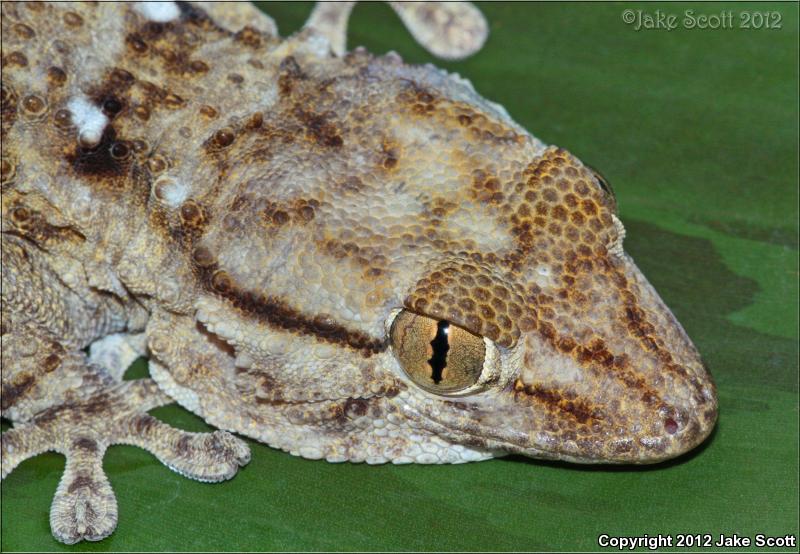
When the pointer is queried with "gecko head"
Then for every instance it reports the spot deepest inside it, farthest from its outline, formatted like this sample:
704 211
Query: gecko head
549 342
423 219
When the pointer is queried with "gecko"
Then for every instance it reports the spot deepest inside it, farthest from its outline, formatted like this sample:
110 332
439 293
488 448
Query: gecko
335 253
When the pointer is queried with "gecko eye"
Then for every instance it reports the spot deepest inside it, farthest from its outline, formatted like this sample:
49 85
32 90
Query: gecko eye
603 182
438 356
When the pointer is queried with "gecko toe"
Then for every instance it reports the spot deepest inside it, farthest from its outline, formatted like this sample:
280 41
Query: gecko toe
207 457
84 506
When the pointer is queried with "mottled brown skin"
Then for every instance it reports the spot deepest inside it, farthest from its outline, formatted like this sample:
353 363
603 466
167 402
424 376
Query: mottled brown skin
258 211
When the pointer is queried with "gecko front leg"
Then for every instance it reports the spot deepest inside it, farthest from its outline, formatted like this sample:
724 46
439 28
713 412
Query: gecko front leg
59 400
115 353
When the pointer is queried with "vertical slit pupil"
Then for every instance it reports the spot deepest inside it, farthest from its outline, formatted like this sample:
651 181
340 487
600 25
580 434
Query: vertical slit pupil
440 346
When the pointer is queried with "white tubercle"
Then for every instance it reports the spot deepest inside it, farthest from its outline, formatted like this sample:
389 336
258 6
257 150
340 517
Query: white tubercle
171 191
160 12
88 118
615 247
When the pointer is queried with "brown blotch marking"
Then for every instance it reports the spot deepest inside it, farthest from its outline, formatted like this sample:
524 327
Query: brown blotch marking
97 161
120 150
202 257
183 447
143 424
56 76
249 36
34 105
485 188
355 407
566 344
547 330
198 66
12 391
15 59
23 31
20 215
579 409
289 74
97 405
121 77
111 106
307 212
8 171
157 164
72 19
51 363
140 146
390 156
136 43
221 282
82 482
636 322
192 214
8 109
276 312
110 93
318 128
173 101
33 226
50 414
254 122
209 111
86 444
142 112
300 211
221 139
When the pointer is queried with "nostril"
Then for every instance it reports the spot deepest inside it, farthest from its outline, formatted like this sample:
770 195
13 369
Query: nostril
670 425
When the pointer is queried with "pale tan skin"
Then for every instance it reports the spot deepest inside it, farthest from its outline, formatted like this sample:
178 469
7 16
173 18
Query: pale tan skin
254 214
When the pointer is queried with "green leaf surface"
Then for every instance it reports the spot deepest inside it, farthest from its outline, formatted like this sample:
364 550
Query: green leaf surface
697 130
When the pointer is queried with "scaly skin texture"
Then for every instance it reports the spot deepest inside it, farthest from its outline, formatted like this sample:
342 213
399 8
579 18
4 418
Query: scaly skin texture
252 213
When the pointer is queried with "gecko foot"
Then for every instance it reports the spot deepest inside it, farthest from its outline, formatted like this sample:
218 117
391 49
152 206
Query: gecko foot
449 30
84 507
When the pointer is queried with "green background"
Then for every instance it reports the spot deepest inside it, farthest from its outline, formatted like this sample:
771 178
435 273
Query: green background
697 132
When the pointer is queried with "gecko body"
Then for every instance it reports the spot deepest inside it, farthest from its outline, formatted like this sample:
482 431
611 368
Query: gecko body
337 254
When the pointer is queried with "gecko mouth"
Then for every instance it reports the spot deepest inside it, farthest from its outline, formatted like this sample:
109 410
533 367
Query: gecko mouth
521 427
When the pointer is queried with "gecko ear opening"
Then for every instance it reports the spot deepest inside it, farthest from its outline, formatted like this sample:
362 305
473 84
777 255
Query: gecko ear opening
436 355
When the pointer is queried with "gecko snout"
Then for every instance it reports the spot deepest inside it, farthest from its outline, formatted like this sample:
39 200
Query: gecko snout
615 397
689 419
